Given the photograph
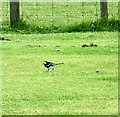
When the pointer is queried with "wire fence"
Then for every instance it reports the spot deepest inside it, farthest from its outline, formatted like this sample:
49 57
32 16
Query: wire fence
59 13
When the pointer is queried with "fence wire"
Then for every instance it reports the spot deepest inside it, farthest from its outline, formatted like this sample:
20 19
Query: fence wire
59 13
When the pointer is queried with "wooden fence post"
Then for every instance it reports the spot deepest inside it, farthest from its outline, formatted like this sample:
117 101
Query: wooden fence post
14 11
104 8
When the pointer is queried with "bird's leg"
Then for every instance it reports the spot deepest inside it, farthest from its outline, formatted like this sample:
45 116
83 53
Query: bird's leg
48 69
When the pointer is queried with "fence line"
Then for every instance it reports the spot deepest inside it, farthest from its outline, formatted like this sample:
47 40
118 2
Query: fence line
59 13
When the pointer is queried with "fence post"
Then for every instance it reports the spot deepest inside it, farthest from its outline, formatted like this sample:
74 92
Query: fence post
104 8
14 11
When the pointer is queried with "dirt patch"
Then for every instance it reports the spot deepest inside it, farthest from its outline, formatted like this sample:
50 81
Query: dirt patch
89 45
4 39
31 45
57 46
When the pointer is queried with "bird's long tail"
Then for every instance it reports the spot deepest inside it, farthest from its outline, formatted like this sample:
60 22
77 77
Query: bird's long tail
59 63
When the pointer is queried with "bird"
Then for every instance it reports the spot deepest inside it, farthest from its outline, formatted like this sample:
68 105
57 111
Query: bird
50 65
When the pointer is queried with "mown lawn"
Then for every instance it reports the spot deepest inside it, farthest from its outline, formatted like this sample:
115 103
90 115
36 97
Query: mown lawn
72 88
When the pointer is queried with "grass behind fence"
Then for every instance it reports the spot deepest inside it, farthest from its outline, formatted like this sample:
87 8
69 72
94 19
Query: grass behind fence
61 17
98 25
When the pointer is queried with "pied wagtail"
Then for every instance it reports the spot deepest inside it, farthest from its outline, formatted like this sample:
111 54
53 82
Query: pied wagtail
50 65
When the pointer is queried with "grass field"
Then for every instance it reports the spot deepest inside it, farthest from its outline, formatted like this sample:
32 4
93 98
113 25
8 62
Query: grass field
72 88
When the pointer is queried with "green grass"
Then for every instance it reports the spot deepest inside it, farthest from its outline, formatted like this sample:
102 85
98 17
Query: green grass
22 27
72 88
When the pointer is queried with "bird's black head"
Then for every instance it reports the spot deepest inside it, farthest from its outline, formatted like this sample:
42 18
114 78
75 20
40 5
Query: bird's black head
45 62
